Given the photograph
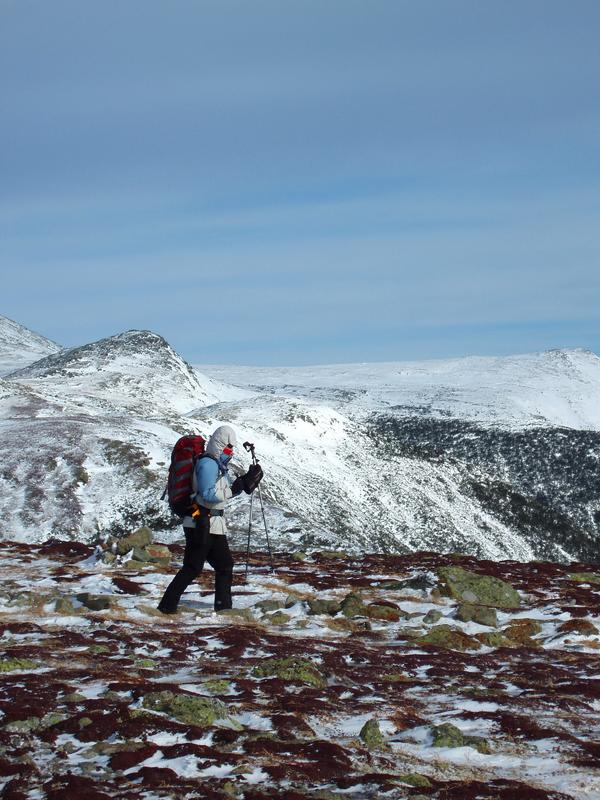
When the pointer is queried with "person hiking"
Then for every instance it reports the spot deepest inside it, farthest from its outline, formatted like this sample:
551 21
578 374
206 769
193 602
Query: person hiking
206 531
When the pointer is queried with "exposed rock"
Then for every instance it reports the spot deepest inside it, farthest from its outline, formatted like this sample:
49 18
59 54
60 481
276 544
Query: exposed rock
96 602
371 735
585 577
292 670
450 638
385 611
432 616
189 709
493 639
483 615
139 538
64 605
18 664
268 605
299 556
471 587
448 735
331 607
352 606
243 613
23 725
278 618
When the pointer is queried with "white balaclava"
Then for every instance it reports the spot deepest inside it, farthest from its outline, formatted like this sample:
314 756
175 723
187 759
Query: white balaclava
224 437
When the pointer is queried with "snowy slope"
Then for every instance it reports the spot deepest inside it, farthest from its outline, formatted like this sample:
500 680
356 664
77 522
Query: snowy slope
135 372
557 387
19 346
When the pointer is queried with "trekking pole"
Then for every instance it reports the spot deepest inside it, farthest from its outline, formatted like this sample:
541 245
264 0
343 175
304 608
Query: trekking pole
249 531
249 447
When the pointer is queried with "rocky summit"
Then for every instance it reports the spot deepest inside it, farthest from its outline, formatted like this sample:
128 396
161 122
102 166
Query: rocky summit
335 676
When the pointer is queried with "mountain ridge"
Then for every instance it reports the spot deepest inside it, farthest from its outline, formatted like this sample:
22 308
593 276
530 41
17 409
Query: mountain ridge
87 434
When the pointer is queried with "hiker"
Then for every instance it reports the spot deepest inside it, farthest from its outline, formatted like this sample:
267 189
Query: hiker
206 533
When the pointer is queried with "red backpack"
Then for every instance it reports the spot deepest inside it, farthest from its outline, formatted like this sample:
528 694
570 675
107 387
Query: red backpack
181 473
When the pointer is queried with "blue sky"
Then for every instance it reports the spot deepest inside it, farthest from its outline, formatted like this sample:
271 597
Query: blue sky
291 183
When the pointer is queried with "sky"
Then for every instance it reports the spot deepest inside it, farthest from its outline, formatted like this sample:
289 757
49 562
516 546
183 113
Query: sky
282 183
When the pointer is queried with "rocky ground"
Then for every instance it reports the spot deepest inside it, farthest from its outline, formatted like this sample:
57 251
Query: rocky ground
421 676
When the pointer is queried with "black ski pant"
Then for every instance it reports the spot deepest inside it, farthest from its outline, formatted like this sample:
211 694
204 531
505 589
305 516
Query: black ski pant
201 546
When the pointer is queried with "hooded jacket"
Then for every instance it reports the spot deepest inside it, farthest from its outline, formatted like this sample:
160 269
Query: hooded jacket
212 479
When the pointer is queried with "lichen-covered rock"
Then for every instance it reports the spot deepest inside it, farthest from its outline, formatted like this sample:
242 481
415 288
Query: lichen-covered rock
371 735
64 605
278 618
18 664
493 639
450 638
432 616
448 735
483 615
292 670
330 607
384 611
471 587
217 685
96 602
299 556
268 605
241 613
189 709
352 606
23 725
584 577
139 538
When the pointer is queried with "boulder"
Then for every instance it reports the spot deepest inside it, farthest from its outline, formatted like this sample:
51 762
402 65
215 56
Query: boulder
291 670
385 611
64 605
371 735
448 735
473 588
432 616
483 615
450 638
352 606
330 607
189 709
139 538
96 602
268 605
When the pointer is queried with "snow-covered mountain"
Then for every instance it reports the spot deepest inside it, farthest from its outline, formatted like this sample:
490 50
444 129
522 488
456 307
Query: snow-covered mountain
493 457
19 346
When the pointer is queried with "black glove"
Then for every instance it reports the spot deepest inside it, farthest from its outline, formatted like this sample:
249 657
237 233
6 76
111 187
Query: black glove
247 482
252 478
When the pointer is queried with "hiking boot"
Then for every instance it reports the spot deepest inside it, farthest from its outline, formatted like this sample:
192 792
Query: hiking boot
165 610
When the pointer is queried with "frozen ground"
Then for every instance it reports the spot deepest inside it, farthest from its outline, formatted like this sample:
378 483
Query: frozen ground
78 718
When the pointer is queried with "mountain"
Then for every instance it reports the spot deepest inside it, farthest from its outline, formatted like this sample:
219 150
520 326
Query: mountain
19 346
492 457
136 372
